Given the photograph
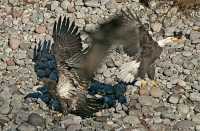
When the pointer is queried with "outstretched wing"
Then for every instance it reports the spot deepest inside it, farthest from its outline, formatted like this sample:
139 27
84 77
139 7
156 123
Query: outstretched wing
67 40
149 49
44 60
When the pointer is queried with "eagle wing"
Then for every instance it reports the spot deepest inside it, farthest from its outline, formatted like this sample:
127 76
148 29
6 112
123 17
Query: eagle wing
143 47
67 41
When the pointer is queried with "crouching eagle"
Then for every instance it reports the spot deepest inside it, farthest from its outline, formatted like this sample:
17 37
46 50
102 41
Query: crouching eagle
76 66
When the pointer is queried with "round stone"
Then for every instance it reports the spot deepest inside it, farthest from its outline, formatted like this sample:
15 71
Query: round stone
183 109
40 29
36 120
156 92
173 99
14 42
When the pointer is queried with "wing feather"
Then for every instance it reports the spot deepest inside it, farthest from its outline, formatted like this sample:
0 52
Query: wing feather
67 40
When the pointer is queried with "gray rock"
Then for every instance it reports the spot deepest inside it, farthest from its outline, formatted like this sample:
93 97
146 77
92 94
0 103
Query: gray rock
188 65
16 102
195 36
36 120
196 118
184 124
168 72
74 127
195 85
75 120
131 120
3 65
21 117
54 5
169 114
14 41
173 99
170 31
103 2
90 27
159 127
194 96
37 17
183 108
92 3
59 129
79 2
19 62
181 83
187 53
197 108
13 2
156 27
20 55
146 100
5 101
110 63
107 73
26 127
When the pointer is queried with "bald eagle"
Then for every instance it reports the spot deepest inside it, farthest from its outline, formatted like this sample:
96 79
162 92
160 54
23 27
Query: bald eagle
76 66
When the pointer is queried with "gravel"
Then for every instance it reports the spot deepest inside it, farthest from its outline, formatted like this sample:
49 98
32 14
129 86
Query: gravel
173 105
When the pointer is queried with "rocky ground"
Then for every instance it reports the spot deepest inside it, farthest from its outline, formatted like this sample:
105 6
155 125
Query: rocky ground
173 106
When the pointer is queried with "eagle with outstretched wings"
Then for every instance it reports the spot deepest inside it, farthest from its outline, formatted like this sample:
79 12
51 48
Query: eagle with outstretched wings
76 66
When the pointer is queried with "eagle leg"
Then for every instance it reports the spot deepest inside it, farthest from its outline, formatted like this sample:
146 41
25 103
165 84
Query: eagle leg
147 85
143 87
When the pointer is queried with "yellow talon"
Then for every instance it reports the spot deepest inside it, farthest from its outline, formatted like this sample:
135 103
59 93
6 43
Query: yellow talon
59 114
154 83
143 84
143 88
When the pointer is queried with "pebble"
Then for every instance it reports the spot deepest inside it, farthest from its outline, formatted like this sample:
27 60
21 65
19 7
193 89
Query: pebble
187 53
54 5
156 92
184 124
133 120
40 29
103 2
33 19
195 36
26 127
14 42
194 96
21 116
71 121
92 3
173 99
30 1
183 109
196 118
90 27
181 83
156 27
2 66
74 127
37 17
197 108
36 120
146 100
